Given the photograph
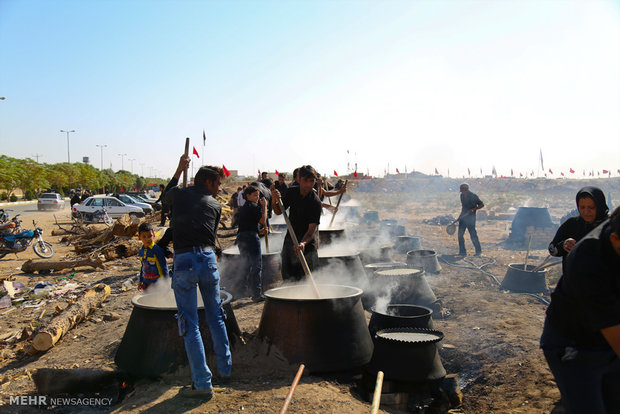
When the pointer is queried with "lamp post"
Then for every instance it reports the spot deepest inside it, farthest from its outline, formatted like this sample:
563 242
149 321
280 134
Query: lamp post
68 132
122 160
102 147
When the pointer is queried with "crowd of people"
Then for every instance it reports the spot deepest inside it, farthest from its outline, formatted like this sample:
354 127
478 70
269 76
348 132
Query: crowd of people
581 334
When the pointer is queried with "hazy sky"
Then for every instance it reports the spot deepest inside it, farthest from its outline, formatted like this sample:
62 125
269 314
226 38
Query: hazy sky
276 84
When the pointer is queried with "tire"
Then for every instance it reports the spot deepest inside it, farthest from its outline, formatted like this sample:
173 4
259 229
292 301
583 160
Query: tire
43 249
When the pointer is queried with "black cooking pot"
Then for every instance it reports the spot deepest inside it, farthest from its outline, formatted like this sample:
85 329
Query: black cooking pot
404 244
233 278
370 268
400 316
399 285
327 334
407 354
345 263
424 258
151 345
524 280
330 235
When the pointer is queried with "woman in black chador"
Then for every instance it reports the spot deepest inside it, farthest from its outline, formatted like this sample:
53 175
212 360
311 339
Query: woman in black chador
593 211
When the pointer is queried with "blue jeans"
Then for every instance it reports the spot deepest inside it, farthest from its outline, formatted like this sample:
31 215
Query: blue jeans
249 247
468 223
193 269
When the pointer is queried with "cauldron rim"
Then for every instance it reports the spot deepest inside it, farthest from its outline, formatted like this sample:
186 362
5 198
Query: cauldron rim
430 311
327 252
419 271
422 252
268 294
231 251
439 335
134 302
515 266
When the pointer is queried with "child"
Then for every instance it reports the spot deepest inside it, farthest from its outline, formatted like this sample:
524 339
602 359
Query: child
151 257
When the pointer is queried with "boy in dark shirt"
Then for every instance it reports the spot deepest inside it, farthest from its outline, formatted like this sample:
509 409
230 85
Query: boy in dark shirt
253 213
152 259
305 215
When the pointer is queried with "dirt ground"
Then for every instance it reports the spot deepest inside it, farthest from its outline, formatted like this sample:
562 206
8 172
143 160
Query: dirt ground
491 336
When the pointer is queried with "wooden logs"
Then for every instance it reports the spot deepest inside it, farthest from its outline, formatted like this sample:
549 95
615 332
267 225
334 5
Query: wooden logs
71 316
32 266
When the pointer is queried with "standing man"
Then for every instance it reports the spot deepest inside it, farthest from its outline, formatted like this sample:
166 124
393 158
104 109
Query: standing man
164 206
581 336
196 216
305 215
281 184
470 203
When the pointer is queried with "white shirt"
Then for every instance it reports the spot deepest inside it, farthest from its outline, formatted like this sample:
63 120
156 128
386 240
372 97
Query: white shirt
240 199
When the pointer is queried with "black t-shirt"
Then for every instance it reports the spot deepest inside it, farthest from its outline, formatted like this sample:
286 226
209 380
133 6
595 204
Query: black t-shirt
303 212
281 187
587 296
249 215
470 200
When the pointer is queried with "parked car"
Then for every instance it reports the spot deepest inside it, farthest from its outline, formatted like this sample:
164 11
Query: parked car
50 201
114 207
130 200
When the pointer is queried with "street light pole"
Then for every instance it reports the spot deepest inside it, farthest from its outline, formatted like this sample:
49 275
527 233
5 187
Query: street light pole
68 132
102 147
122 160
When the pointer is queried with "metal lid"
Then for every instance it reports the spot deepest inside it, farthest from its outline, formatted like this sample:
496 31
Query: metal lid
383 265
410 335
399 272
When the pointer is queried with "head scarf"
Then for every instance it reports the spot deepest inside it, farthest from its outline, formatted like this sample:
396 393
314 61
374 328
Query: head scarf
597 195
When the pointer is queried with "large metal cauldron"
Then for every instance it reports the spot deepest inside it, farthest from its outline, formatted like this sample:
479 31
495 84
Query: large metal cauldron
233 278
399 286
400 316
404 244
330 235
327 334
372 267
344 263
151 345
424 258
407 354
524 280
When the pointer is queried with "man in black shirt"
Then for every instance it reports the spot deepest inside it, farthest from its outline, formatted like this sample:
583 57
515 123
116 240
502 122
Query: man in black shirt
281 185
196 216
470 203
305 215
581 336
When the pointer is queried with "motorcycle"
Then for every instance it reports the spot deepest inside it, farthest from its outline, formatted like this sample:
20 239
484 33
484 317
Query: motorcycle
18 242
94 217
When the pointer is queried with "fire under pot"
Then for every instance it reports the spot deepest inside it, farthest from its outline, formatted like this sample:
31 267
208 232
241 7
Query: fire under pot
151 345
327 334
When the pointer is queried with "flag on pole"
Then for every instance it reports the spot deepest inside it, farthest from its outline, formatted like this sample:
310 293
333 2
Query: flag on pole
605 171
355 174
542 165
196 152
572 171
436 172
277 173
397 172
511 172
520 174
204 137
226 172
494 171
562 174
468 172
335 173
550 172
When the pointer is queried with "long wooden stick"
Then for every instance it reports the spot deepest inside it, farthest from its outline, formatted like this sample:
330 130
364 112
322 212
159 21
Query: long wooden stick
289 396
338 204
300 254
527 255
376 397
267 237
186 154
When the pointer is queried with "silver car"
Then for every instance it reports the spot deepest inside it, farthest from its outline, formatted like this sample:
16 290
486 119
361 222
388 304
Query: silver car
115 207
50 201
130 200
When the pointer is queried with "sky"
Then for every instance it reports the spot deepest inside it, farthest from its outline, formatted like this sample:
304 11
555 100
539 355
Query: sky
414 85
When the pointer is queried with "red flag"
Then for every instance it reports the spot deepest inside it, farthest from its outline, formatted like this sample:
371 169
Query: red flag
397 172
335 173
226 172
572 171
562 174
355 174
520 174
277 173
605 171
436 172
618 171
550 172
196 152
258 172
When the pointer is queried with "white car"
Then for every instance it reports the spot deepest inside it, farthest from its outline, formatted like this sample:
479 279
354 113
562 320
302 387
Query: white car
129 200
50 201
115 207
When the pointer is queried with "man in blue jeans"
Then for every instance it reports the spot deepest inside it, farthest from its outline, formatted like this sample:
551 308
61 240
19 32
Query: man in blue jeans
196 216
470 203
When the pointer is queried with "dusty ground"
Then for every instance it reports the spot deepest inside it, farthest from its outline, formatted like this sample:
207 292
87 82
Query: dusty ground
491 335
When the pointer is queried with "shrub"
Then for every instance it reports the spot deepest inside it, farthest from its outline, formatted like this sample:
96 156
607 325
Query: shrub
4 196
29 195
13 198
